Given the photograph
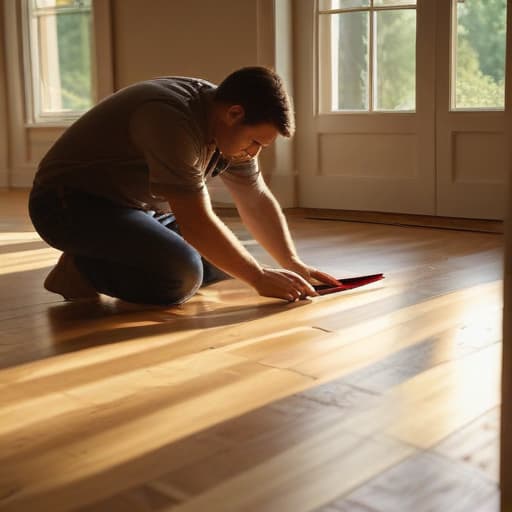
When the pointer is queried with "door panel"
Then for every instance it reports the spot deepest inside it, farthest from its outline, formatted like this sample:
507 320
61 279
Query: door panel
380 161
433 161
471 158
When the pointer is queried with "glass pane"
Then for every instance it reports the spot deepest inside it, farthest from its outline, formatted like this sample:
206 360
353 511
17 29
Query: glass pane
327 5
45 4
479 54
349 49
393 3
395 60
65 62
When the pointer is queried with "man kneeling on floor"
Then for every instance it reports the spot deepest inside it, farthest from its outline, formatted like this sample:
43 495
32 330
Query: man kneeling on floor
123 192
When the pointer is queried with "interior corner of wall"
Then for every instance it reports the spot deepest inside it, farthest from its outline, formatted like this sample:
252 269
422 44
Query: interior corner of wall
284 186
4 178
21 177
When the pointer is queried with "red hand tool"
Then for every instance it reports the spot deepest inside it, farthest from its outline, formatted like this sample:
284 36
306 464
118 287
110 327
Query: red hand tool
347 284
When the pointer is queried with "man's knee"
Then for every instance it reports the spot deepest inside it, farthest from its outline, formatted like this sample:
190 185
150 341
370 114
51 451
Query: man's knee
176 278
172 283
186 278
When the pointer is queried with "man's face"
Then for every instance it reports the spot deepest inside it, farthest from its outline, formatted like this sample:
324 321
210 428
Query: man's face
241 141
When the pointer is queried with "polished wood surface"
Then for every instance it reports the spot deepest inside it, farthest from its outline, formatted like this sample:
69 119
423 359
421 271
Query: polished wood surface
384 398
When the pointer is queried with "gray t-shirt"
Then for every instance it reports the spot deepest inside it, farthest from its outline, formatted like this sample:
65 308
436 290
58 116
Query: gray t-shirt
151 132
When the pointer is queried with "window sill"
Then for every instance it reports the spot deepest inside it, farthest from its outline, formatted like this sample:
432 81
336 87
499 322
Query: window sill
50 124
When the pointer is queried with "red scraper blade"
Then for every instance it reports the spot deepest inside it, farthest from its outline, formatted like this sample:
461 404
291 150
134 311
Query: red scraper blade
347 284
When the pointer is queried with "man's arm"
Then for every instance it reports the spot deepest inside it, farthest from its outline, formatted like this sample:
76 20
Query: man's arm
151 128
201 227
262 214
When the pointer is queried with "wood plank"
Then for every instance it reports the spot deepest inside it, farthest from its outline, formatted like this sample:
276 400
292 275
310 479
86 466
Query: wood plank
450 397
273 435
141 499
399 330
425 482
26 411
118 405
305 476
477 444
117 436
69 332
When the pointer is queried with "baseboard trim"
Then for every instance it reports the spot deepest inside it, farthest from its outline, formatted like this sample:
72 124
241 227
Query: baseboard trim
399 219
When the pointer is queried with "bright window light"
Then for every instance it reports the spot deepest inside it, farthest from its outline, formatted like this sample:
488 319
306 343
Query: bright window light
58 51
478 54
367 55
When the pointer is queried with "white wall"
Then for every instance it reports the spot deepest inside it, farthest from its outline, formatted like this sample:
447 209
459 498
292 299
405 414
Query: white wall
208 39
192 38
202 38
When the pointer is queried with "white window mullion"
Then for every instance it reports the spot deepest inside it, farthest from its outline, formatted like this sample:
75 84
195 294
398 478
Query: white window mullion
372 61
334 35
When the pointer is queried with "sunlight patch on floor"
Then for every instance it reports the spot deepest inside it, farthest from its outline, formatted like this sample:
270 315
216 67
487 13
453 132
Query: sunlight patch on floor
10 238
23 261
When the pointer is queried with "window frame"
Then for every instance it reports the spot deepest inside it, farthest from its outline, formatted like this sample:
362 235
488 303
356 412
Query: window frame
31 67
324 73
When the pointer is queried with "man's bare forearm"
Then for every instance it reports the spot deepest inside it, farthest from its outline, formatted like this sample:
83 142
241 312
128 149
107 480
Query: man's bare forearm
263 217
201 227
215 241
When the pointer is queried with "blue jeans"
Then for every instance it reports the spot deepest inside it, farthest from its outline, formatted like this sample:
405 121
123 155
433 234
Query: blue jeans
123 252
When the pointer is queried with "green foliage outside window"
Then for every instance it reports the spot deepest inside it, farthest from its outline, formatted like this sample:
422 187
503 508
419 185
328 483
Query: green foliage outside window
394 68
74 40
396 60
480 56
352 61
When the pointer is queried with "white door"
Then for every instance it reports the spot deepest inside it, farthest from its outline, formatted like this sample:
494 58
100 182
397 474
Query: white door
372 102
471 158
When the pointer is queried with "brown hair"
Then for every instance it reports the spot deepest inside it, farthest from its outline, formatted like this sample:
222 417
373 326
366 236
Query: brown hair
261 93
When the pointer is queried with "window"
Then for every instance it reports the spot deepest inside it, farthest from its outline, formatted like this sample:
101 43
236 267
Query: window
58 64
478 54
367 55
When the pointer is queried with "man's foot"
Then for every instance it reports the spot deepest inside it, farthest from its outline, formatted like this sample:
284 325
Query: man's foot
66 280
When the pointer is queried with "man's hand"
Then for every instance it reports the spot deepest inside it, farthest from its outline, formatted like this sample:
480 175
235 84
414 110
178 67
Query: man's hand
262 215
311 274
283 284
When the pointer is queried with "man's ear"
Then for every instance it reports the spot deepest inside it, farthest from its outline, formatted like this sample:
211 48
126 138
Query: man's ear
235 114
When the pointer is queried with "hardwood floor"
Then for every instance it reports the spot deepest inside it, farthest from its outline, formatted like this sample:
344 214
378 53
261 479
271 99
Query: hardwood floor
380 399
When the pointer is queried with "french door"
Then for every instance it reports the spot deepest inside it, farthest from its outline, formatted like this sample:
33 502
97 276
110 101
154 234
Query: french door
383 115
